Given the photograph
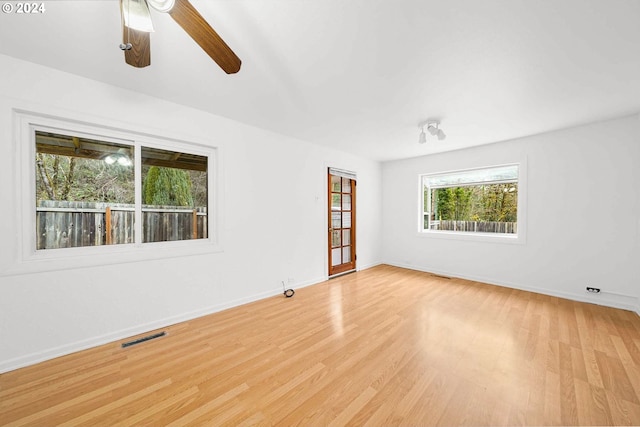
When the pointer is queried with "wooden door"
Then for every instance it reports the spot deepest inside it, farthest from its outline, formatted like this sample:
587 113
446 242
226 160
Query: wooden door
342 222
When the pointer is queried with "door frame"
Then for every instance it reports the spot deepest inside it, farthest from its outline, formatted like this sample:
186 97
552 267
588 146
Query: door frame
351 265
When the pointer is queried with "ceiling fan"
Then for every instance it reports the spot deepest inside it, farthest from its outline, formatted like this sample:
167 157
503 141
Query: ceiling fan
137 25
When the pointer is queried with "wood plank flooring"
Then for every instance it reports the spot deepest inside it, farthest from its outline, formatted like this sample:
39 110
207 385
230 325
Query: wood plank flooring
381 347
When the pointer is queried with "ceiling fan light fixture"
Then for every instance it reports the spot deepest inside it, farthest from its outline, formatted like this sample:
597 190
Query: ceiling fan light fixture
137 16
137 25
163 6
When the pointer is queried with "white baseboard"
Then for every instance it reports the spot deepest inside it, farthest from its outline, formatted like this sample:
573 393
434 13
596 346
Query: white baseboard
622 301
367 266
63 350
625 302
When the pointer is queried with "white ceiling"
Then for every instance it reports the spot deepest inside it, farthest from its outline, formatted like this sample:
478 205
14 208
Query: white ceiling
359 75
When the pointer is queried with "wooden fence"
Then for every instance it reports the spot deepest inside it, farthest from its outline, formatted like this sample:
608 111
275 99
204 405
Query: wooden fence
476 226
61 224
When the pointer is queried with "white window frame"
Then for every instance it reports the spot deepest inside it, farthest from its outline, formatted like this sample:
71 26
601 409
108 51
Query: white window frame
516 238
28 259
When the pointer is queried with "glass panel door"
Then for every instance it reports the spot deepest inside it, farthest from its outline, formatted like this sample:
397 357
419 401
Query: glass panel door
341 219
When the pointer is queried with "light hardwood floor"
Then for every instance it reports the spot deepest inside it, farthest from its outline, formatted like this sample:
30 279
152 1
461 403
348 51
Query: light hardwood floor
380 347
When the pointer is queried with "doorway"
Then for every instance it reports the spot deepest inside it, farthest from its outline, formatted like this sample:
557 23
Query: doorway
342 221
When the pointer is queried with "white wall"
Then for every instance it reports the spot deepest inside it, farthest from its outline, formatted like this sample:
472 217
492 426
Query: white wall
274 220
582 208
273 223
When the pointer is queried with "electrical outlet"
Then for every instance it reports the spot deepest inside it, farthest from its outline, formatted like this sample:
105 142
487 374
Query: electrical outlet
593 290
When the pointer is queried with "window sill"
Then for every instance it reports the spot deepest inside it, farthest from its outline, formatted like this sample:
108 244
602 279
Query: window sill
474 237
86 257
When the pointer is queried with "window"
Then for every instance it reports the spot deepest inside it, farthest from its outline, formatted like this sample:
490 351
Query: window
84 189
100 194
174 195
86 192
474 201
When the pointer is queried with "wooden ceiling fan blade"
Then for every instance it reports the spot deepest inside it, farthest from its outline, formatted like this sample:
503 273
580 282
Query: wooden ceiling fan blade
201 32
139 55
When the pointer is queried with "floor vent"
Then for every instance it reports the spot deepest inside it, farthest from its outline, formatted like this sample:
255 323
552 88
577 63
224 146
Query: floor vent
442 277
143 339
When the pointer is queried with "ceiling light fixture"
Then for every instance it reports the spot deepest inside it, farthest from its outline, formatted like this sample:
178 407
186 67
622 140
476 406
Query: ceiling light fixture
423 137
137 15
162 5
433 127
